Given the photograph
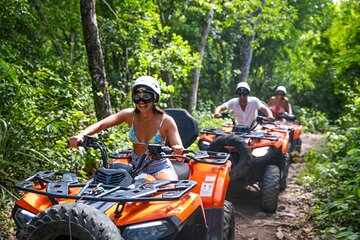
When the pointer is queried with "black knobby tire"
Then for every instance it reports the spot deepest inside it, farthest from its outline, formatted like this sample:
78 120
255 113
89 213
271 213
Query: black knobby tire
285 172
241 160
229 221
298 146
85 222
270 188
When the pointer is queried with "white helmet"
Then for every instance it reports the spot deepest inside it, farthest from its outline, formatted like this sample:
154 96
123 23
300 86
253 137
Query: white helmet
242 85
149 82
281 88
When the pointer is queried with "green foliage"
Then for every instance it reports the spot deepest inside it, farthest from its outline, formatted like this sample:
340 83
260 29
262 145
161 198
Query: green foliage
139 42
336 186
205 119
335 179
313 121
36 111
6 204
311 47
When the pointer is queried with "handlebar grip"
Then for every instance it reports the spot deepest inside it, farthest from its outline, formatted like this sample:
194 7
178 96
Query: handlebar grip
167 150
186 151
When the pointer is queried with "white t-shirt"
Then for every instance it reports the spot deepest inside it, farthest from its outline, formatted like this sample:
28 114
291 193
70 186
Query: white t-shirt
248 116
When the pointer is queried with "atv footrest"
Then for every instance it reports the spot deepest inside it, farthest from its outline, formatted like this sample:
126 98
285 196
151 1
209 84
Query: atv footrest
57 188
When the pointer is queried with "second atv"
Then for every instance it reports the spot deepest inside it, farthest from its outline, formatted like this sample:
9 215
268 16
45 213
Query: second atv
259 157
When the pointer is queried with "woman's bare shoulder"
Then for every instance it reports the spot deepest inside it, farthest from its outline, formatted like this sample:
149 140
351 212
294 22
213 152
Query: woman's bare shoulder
169 120
126 115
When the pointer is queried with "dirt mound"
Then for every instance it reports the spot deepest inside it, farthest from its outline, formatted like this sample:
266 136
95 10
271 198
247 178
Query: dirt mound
295 202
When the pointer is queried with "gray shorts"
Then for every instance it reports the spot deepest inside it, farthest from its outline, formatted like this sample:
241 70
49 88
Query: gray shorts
156 166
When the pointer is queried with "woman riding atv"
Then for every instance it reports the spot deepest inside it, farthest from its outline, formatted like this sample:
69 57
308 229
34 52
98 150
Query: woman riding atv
149 124
279 104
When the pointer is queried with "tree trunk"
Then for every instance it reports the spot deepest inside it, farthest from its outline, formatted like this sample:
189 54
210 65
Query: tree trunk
95 59
196 73
246 56
246 50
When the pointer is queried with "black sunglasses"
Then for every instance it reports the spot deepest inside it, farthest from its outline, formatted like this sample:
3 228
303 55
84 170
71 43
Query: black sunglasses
280 93
242 90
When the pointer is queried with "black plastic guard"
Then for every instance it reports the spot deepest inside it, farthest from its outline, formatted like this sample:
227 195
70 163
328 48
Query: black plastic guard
214 220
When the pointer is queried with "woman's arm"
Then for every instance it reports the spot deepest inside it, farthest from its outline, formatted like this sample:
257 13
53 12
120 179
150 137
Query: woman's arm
173 135
110 121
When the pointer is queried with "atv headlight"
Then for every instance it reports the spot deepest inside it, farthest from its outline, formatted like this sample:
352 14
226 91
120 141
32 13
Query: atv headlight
260 152
203 145
148 231
21 217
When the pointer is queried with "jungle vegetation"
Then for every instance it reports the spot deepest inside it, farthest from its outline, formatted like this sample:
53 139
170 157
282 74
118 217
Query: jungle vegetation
61 71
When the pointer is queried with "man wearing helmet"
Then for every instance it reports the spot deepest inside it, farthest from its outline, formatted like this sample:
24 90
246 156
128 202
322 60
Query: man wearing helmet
244 107
148 123
279 103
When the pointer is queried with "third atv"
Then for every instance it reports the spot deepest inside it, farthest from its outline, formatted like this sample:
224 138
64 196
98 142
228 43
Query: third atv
285 121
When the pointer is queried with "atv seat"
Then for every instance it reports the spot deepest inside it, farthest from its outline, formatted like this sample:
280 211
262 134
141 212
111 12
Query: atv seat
187 125
188 130
181 169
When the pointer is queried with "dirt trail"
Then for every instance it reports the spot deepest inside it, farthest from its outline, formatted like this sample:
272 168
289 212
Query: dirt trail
289 221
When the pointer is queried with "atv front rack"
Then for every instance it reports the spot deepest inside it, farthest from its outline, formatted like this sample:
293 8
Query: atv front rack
43 183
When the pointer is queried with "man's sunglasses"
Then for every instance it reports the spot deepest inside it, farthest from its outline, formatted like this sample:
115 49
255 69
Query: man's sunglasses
242 91
144 96
280 93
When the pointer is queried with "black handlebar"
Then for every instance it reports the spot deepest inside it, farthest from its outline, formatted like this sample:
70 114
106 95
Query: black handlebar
287 116
156 151
93 142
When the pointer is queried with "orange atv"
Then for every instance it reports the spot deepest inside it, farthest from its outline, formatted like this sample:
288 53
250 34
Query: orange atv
258 157
285 121
120 202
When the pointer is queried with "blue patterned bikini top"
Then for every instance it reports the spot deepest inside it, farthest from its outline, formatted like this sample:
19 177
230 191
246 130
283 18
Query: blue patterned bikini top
156 139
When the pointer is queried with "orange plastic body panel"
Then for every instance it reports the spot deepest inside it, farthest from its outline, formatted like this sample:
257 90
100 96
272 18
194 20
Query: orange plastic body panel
213 181
135 212
297 130
208 137
256 143
36 203
296 127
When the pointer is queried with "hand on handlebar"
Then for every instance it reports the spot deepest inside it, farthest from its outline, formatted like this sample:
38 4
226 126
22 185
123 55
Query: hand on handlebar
75 140
217 115
178 149
271 119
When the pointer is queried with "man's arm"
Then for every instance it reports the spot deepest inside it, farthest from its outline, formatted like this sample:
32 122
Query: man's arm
218 110
267 112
